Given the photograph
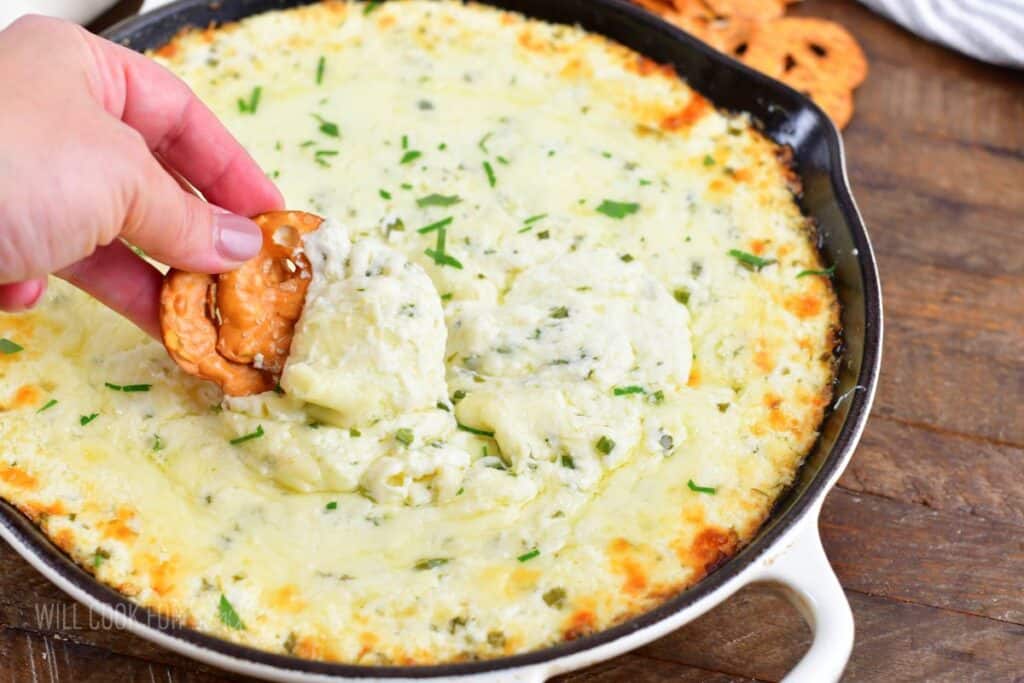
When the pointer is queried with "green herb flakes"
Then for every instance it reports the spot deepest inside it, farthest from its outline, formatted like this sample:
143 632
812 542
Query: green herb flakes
709 160
410 156
750 261
49 404
327 127
682 295
431 563
333 505
605 445
617 210
474 430
371 6
492 180
320 66
701 489
384 194
7 347
249 106
526 557
626 391
247 437
404 436
129 388
560 312
554 598
438 200
86 419
228 616
439 225
568 462
482 143
827 272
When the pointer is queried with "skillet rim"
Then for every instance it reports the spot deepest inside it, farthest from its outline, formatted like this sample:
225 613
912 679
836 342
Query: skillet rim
789 510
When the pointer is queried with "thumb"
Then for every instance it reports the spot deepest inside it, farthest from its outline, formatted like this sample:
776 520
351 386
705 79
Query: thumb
180 229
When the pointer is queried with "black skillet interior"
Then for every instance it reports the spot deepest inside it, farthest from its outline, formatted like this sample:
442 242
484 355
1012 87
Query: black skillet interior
787 117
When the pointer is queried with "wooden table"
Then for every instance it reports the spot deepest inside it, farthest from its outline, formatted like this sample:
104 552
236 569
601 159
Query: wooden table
926 528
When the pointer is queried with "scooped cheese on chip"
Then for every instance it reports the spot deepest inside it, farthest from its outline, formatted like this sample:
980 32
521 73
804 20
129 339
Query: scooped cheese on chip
370 343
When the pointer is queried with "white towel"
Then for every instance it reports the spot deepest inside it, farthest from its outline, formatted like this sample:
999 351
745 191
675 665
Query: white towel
990 30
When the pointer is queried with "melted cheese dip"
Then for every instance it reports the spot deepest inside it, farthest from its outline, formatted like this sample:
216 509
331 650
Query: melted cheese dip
558 359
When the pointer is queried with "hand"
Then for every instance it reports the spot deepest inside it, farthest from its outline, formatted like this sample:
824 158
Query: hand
87 131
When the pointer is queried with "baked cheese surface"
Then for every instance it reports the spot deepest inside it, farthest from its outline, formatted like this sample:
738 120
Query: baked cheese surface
559 357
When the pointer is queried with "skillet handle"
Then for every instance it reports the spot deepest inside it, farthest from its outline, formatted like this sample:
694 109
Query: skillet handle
806 578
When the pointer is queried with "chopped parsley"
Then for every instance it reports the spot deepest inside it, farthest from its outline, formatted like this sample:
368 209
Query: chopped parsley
228 616
441 258
404 436
249 106
320 65
99 557
626 391
626 258
405 142
8 347
482 144
709 160
554 597
49 404
827 272
439 225
644 181
526 557
682 295
372 5
355 433
333 505
568 462
384 194
474 430
502 160
657 397
327 127
410 156
247 437
446 297
750 261
617 210
128 387
560 312
438 200
438 253
543 235
533 219
431 563
701 489
158 443
492 180
605 445
86 419
458 395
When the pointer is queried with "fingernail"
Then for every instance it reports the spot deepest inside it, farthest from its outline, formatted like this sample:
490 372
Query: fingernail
238 238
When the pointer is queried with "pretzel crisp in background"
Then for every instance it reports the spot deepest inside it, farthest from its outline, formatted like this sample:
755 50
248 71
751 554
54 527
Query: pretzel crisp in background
815 56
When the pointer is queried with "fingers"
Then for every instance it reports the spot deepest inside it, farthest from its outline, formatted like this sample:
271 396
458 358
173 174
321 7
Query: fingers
182 131
21 296
181 230
123 281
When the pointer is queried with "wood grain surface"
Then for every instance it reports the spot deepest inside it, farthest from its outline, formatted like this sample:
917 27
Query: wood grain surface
926 527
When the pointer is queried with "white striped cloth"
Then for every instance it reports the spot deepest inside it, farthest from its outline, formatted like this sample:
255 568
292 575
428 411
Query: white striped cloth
990 30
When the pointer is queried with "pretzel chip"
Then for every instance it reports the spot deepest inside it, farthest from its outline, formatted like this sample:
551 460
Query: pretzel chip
814 56
236 328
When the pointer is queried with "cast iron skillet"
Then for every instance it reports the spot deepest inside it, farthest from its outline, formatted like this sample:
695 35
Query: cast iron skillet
785 116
